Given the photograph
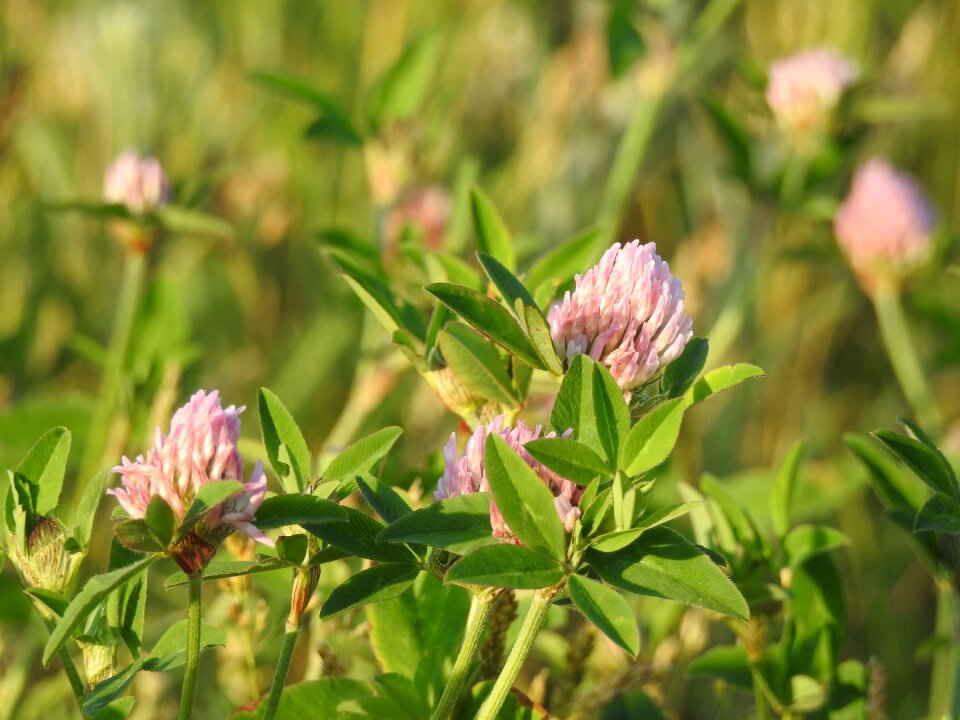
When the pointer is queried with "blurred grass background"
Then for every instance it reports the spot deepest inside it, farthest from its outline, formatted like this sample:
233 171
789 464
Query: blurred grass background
529 98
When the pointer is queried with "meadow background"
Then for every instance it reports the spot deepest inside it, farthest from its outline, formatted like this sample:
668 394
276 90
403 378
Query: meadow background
644 119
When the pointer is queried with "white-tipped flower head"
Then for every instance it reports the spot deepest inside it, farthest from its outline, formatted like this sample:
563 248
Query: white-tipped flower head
884 224
136 182
200 448
466 473
803 89
626 312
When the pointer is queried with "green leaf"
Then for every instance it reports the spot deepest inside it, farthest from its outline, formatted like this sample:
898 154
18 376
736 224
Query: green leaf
476 364
614 541
592 405
119 709
806 541
208 497
928 465
490 318
170 652
726 663
357 535
402 90
334 125
420 630
653 438
493 238
292 549
279 429
361 456
523 499
452 523
222 569
568 458
606 609
511 289
303 699
135 534
781 495
87 508
663 564
45 465
535 324
941 513
381 582
383 499
87 600
680 374
563 262
160 519
886 475
507 566
297 509
716 381
189 221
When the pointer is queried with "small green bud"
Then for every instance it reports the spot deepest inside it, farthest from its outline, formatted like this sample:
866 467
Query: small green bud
44 560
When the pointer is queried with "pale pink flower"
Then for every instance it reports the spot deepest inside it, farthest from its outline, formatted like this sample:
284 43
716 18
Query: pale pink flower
884 223
136 182
200 448
803 89
626 312
466 473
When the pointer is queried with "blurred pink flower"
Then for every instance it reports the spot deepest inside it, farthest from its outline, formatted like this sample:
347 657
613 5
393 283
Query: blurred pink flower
883 226
136 182
804 88
626 312
200 448
425 210
465 474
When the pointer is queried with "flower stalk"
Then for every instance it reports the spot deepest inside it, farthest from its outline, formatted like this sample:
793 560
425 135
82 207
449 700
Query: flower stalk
903 355
188 696
535 617
480 606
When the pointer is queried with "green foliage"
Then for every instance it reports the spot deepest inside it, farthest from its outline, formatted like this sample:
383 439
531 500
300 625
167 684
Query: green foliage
508 566
284 443
522 498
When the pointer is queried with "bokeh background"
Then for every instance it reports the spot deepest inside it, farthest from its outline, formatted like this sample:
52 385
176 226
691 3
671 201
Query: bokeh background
635 117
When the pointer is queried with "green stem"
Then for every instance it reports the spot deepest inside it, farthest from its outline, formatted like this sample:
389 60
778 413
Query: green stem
188 696
477 620
112 380
532 623
760 701
630 153
943 680
70 670
903 356
283 667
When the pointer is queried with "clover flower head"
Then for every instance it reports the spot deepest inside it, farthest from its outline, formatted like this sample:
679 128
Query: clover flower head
136 182
200 448
626 313
465 473
884 224
804 88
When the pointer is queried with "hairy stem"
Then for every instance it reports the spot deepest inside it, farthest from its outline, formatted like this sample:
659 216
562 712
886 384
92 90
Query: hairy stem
188 696
477 621
283 667
903 356
943 677
532 623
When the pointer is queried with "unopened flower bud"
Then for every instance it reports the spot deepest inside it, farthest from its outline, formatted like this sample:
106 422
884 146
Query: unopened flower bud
44 561
99 661
304 584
